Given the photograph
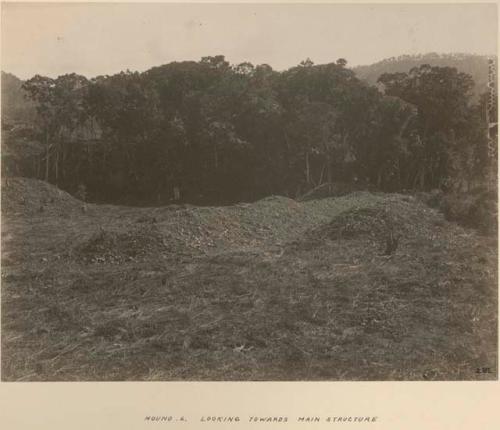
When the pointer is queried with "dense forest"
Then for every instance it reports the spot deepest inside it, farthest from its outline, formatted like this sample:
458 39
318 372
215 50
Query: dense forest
211 132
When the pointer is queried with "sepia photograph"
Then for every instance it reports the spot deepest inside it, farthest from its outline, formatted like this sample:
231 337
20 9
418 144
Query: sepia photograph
249 192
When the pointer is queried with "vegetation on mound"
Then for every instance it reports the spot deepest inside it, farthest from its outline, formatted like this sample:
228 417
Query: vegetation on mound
115 248
26 196
257 305
370 221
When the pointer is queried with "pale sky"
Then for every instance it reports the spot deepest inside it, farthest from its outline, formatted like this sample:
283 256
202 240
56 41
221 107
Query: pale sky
96 39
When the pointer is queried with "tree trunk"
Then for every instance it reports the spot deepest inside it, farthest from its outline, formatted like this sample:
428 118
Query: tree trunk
47 157
399 173
420 178
329 172
57 167
177 194
47 161
322 174
63 166
308 172
379 178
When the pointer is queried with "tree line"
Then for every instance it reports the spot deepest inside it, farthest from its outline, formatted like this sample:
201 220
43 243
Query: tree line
212 132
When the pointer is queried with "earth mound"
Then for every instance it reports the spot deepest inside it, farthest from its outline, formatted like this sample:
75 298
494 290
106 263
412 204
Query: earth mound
223 293
29 196
118 247
354 223
400 215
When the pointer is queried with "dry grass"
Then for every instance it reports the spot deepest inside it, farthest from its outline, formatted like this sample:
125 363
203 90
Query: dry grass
275 290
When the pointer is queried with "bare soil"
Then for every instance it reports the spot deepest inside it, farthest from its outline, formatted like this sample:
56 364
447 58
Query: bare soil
273 290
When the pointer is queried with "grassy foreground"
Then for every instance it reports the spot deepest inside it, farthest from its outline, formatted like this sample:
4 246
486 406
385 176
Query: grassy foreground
273 290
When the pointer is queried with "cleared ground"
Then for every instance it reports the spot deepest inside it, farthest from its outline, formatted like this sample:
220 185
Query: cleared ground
273 290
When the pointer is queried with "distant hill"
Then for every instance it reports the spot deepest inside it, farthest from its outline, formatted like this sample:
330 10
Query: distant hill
15 106
474 65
